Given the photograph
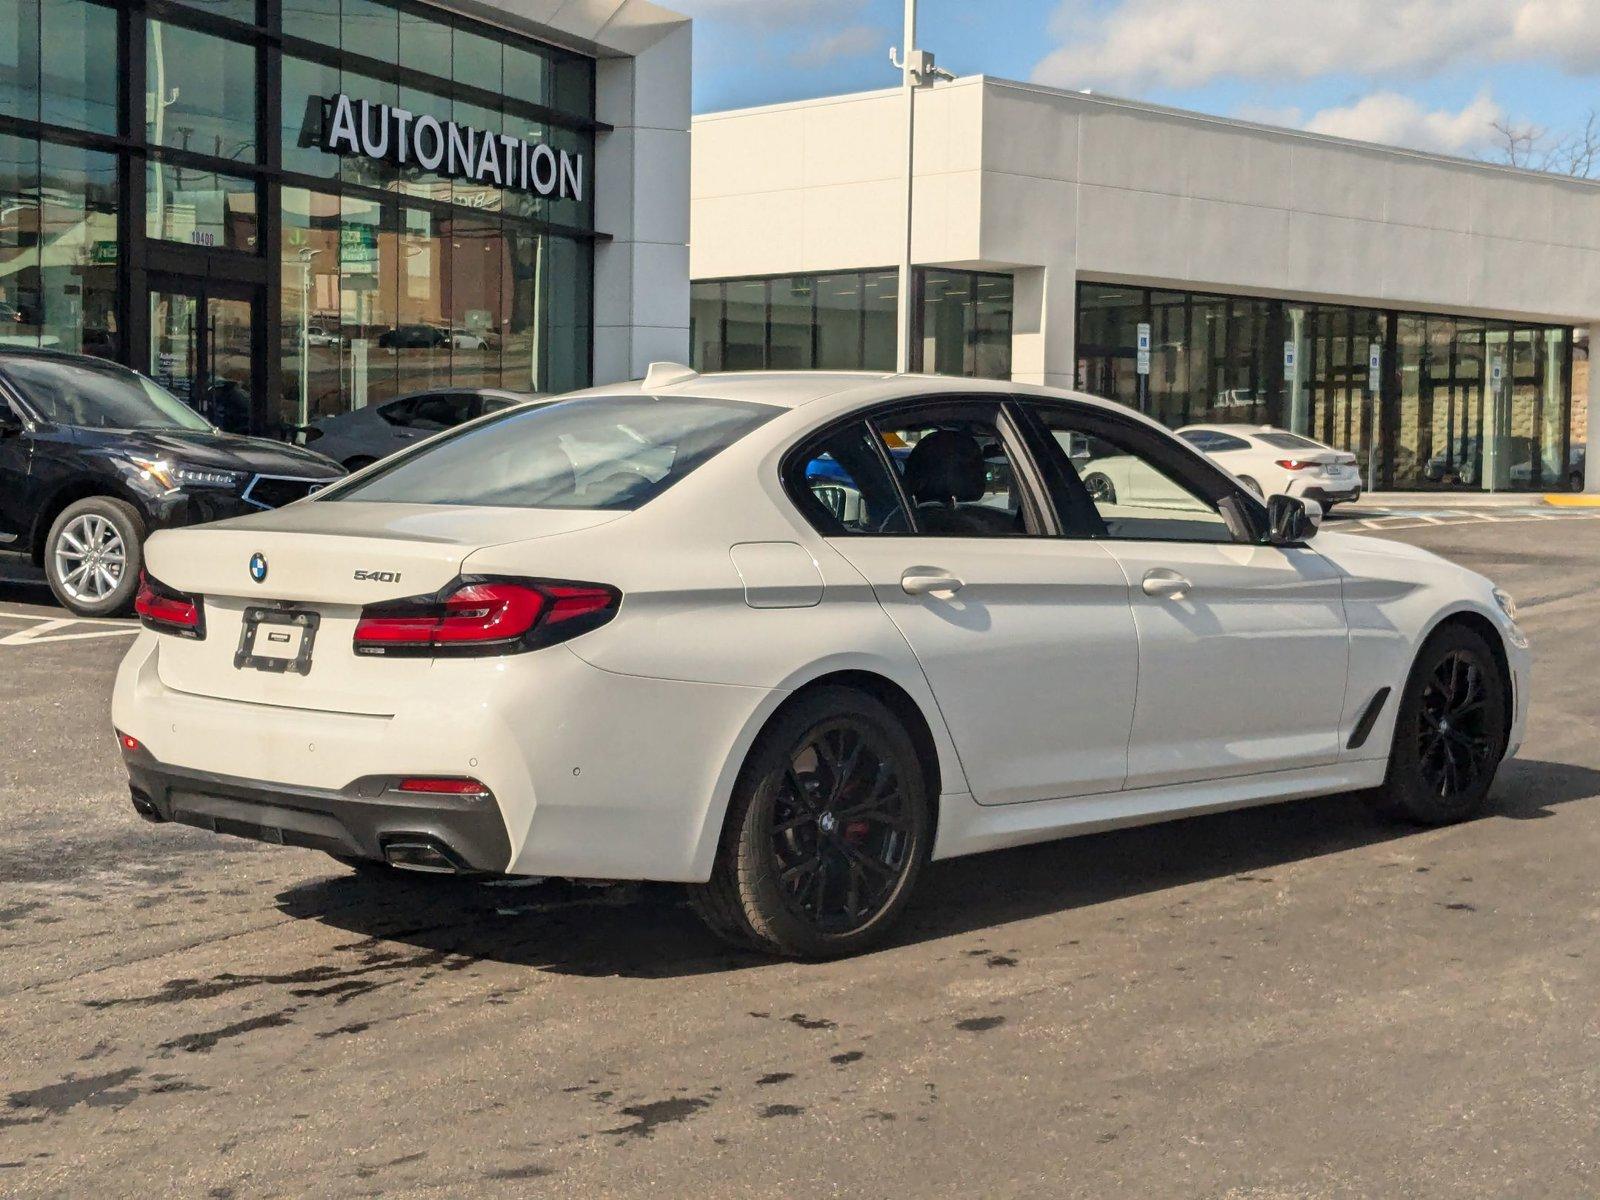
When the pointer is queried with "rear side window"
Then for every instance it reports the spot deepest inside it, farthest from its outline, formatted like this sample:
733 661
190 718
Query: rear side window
603 452
841 484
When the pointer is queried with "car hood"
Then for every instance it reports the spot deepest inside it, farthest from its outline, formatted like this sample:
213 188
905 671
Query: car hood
221 451
1337 545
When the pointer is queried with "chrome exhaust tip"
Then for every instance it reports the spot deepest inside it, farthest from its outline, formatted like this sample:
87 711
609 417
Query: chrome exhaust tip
422 852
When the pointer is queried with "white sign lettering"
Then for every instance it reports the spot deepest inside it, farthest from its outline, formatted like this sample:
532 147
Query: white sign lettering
389 134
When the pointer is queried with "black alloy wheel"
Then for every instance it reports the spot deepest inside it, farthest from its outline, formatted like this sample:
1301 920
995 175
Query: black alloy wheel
829 828
841 826
1450 734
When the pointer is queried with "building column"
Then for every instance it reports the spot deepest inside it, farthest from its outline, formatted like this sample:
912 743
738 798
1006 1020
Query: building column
1044 327
1591 476
641 275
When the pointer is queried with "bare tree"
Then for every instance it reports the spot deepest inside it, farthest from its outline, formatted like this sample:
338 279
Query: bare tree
1535 148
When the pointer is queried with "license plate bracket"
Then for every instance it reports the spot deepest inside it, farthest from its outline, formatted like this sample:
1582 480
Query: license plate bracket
278 640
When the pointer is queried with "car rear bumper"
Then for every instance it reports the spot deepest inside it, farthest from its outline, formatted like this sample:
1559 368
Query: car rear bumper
593 774
1325 494
369 818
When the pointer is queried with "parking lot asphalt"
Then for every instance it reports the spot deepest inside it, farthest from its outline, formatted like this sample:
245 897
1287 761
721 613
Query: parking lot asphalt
1285 1002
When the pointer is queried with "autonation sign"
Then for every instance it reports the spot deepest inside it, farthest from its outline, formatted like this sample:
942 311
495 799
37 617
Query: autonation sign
404 138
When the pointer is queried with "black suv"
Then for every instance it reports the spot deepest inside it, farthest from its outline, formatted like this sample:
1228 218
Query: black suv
94 456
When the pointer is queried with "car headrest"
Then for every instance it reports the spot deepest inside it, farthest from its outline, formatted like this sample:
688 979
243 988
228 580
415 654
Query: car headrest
946 467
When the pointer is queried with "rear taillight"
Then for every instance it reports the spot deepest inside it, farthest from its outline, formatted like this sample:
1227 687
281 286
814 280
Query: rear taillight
430 785
486 616
162 609
1296 464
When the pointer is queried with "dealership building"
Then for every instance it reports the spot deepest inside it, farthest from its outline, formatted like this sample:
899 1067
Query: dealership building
287 208
1431 314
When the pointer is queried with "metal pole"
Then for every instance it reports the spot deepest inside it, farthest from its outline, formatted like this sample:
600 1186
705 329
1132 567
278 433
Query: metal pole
909 83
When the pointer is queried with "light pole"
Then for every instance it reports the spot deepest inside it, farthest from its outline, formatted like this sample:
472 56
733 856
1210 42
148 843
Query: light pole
917 70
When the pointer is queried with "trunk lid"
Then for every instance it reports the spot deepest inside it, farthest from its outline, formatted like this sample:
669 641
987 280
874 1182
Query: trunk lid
329 559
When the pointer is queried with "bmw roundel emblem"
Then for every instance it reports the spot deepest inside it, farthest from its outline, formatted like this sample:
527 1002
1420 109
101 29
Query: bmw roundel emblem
258 567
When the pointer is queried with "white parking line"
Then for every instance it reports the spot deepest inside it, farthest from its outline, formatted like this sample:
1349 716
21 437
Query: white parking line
43 629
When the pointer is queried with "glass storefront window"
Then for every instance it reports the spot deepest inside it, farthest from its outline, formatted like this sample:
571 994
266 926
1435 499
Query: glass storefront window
58 247
201 208
200 92
965 323
792 322
1459 403
705 326
235 10
369 28
304 86
57 63
842 322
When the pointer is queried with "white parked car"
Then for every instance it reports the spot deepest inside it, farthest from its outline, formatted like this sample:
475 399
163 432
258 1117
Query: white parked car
462 338
786 638
1275 462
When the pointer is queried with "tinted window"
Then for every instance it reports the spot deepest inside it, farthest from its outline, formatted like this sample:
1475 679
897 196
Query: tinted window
608 452
1288 441
842 486
1213 442
443 411
957 473
70 393
1135 498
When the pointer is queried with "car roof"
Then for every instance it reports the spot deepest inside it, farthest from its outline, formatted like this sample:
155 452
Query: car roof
1245 430
795 389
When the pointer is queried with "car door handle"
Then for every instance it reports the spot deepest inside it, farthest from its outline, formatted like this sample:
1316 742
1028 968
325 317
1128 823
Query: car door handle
1166 585
929 581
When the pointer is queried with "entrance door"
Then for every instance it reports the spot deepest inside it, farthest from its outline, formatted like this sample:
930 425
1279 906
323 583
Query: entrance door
202 347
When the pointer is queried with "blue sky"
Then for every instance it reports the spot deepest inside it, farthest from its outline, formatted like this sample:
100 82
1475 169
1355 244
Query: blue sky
1435 74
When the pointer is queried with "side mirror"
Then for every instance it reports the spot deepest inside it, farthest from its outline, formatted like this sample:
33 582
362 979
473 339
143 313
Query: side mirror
10 423
1289 520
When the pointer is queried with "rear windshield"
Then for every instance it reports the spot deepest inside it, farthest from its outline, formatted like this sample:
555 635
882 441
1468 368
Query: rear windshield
1289 441
602 452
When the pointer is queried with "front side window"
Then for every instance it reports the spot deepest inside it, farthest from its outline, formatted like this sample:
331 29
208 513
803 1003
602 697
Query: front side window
99 397
605 452
1135 495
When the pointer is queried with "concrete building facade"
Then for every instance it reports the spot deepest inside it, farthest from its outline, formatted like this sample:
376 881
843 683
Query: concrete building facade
1417 309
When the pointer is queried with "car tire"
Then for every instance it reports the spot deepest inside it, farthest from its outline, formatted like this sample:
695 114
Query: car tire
1101 489
828 830
1450 734
1575 481
1253 486
358 463
101 525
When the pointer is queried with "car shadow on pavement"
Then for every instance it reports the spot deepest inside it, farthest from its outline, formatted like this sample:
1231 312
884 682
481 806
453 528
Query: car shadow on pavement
646 931
21 582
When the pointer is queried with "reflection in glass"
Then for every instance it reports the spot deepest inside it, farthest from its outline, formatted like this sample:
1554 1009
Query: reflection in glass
791 324
200 208
77 65
200 92
705 326
78 250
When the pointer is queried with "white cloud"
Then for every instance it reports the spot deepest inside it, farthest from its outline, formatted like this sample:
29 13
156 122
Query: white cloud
1397 120
850 42
1188 43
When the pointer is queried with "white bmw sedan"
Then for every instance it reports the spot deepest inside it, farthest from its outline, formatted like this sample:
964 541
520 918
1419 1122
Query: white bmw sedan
786 638
1275 462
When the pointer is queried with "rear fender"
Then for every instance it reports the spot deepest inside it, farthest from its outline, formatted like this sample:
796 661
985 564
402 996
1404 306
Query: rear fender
909 681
